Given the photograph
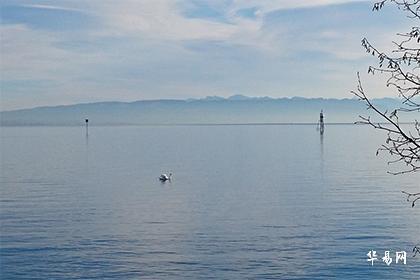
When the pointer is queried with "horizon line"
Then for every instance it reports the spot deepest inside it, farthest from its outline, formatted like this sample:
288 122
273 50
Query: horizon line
192 124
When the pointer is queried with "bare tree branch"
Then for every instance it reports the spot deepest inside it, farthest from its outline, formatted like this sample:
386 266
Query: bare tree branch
402 67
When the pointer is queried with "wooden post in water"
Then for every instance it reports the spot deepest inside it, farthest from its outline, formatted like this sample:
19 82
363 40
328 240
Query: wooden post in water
87 126
321 122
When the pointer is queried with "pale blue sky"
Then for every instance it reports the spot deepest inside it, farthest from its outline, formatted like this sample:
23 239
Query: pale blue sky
64 52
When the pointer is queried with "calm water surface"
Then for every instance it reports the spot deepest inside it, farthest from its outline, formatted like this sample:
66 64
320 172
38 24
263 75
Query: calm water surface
246 202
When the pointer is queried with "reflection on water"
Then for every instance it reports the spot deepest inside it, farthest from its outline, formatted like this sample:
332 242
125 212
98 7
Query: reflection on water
246 202
321 141
86 167
321 145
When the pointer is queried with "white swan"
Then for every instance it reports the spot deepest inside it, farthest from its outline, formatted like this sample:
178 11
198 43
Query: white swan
164 177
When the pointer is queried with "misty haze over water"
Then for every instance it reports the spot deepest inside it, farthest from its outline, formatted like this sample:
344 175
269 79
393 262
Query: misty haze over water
211 110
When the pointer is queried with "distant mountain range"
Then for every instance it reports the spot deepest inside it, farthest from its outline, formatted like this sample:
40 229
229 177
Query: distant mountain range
237 109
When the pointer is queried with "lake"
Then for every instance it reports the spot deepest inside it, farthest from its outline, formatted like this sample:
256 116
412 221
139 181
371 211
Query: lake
245 202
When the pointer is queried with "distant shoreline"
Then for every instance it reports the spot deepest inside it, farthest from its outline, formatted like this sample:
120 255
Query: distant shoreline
237 110
207 99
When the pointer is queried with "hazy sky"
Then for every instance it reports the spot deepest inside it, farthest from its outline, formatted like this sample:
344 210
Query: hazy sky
62 52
